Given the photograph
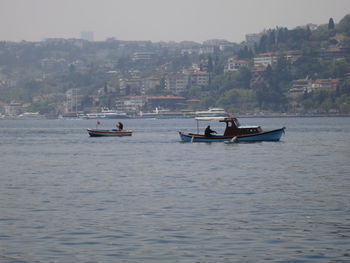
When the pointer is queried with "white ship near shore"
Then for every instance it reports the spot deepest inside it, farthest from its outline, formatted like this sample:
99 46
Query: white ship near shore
30 116
106 114
212 112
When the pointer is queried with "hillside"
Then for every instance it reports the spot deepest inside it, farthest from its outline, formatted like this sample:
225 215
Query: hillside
300 70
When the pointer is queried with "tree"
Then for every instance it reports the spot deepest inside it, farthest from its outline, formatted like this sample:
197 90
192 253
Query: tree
262 47
210 64
245 53
331 24
344 25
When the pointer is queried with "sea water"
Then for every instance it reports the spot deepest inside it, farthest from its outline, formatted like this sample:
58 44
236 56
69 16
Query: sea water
68 197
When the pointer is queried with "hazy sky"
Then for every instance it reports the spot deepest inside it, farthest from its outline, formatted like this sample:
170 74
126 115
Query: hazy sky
159 20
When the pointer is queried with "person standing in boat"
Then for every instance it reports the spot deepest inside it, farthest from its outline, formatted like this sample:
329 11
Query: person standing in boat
208 132
120 126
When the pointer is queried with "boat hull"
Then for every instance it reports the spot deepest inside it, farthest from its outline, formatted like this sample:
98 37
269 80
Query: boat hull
274 135
102 133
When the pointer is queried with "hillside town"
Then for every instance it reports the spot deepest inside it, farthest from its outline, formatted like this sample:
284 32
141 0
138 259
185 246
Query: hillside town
305 70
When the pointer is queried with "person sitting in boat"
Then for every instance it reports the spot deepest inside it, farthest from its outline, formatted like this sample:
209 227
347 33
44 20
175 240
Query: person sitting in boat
208 131
120 126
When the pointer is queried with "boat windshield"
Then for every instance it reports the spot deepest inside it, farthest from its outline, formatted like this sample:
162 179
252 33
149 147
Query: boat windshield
237 123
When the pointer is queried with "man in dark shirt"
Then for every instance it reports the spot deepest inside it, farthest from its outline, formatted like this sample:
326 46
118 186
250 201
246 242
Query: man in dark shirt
120 126
208 132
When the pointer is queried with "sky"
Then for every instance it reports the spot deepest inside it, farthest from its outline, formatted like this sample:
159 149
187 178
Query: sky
159 20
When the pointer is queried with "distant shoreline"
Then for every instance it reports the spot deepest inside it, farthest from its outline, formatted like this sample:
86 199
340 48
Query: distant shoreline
272 115
293 115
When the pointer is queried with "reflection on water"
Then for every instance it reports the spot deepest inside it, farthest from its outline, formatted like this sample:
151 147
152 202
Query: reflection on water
66 197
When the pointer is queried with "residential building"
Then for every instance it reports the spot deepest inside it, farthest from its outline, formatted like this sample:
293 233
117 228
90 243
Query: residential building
335 52
53 65
7 81
142 56
265 59
221 44
324 84
79 66
199 79
14 108
176 83
137 86
148 84
208 49
299 87
302 86
132 86
235 64
270 58
73 101
215 42
130 104
190 51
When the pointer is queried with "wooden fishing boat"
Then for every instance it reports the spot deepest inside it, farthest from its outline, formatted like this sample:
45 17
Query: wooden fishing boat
234 132
113 132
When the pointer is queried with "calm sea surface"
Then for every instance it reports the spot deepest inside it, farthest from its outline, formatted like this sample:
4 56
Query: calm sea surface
66 197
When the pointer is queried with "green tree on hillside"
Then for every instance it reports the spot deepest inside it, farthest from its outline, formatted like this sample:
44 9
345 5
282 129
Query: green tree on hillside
344 25
331 24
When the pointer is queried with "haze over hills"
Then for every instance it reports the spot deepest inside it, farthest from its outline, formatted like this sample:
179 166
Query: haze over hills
300 70
159 20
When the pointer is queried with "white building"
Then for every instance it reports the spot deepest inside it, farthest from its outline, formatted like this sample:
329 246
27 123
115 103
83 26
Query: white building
130 103
73 100
235 64
265 59
270 58
142 56
301 86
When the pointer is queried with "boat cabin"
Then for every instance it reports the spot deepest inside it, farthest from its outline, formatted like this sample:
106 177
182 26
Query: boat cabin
233 127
